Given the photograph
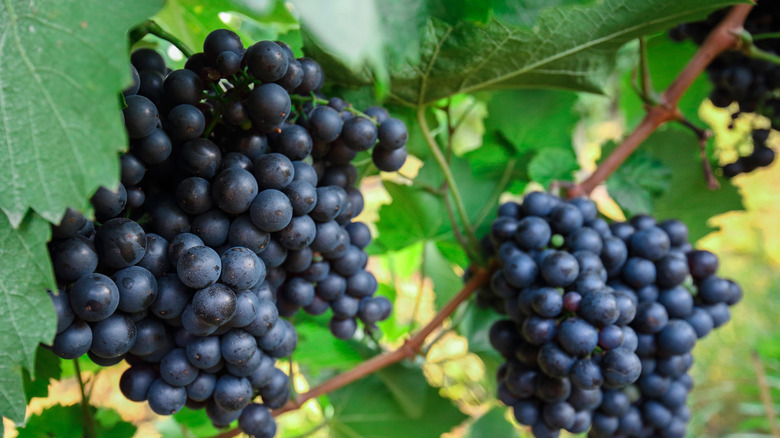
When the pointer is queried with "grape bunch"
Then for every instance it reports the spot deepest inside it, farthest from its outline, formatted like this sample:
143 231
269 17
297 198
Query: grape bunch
761 156
601 318
749 82
235 211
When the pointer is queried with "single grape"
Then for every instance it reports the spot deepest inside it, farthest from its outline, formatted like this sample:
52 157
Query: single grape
184 122
141 116
94 297
74 341
266 61
268 106
199 267
234 190
182 87
165 399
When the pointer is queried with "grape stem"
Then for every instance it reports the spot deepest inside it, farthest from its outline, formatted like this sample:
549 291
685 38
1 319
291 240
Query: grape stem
703 135
319 101
724 37
150 27
750 49
766 36
88 422
645 91
410 348
452 186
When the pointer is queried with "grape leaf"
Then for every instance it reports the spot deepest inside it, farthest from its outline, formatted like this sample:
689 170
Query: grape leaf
192 20
570 47
666 59
492 424
353 54
552 164
399 229
408 387
689 199
25 306
637 181
445 282
110 424
47 367
507 139
62 133
60 421
355 44
367 409
67 421
318 349
196 422
548 118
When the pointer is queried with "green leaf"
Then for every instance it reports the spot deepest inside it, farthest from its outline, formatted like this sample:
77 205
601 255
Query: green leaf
47 367
66 422
62 133
399 229
356 45
506 139
25 308
368 409
445 282
571 47
666 59
407 386
492 424
637 181
12 400
353 54
318 349
196 421
532 119
689 199
552 165
192 20
57 421
475 327
111 425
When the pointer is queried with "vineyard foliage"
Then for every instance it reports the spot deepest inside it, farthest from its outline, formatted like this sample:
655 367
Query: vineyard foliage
511 91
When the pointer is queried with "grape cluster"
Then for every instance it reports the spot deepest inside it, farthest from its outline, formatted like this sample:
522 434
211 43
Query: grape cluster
601 317
761 156
235 209
750 82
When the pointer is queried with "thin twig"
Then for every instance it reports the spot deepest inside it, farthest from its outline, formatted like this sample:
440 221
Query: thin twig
509 170
766 36
720 39
645 89
765 394
750 49
155 29
421 288
88 420
450 179
703 135
455 228
410 348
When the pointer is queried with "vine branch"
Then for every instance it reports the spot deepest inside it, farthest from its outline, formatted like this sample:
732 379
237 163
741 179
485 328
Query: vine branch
725 36
410 348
